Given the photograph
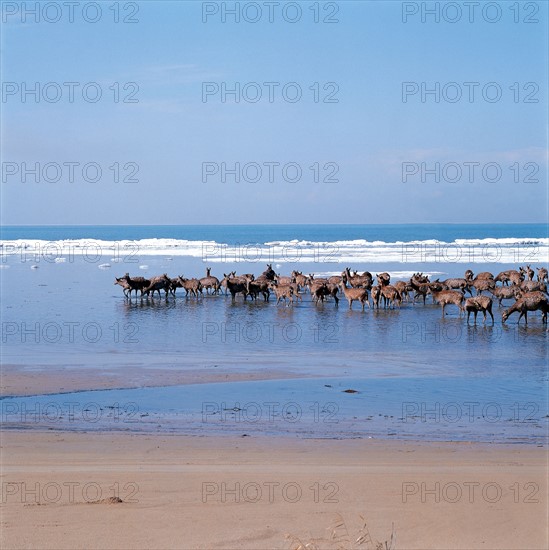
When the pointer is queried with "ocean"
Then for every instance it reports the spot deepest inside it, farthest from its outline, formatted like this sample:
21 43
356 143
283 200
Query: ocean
393 373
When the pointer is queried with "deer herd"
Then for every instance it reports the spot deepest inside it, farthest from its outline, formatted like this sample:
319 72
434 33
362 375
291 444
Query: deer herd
518 285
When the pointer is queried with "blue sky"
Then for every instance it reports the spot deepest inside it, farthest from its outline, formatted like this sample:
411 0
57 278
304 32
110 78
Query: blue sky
368 134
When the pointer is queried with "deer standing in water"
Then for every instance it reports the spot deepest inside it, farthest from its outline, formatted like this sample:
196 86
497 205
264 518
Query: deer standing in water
506 293
158 283
210 282
130 284
532 301
476 304
355 294
448 297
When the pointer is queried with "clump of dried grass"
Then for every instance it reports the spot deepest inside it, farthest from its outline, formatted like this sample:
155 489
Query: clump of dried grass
341 539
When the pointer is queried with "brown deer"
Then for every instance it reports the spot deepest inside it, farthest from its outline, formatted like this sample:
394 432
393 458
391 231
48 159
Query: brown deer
158 283
391 296
509 276
531 286
532 301
402 287
259 286
284 280
448 297
210 282
192 286
376 296
420 286
300 279
527 273
175 283
357 281
282 292
542 275
484 276
135 283
476 304
355 294
482 285
458 284
383 279
125 286
505 293
321 289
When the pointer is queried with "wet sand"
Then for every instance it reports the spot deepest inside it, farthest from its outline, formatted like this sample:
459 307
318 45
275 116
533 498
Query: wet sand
249 492
19 380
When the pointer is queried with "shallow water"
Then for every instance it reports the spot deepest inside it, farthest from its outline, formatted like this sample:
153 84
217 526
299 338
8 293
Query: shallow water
431 409
71 313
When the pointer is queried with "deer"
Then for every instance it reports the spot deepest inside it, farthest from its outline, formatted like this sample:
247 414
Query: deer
284 280
532 301
527 272
482 285
259 286
210 282
402 287
300 279
235 285
448 297
376 296
223 283
542 274
134 283
125 286
505 293
476 304
284 292
158 283
483 275
383 279
458 284
509 276
269 273
175 283
420 285
531 286
355 294
190 285
321 289
357 281
391 296
335 279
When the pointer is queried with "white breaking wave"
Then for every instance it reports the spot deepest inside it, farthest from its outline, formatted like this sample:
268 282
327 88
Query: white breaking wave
489 250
